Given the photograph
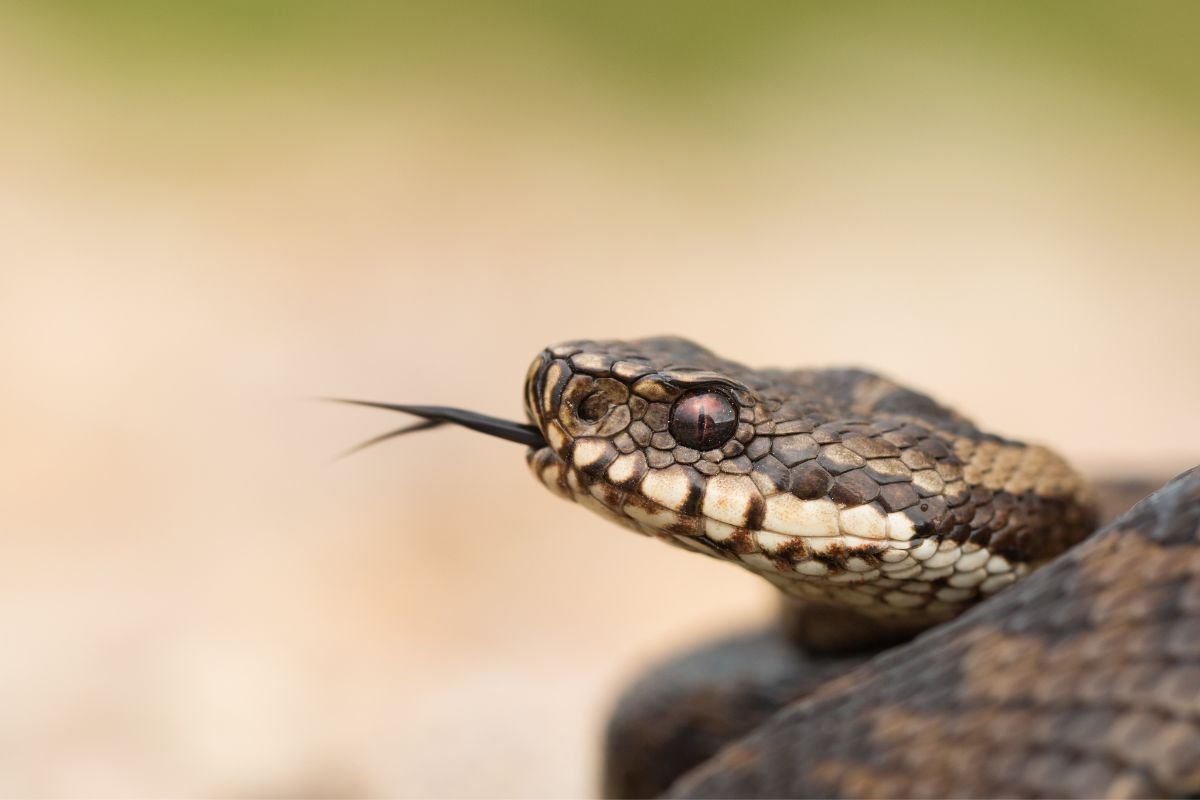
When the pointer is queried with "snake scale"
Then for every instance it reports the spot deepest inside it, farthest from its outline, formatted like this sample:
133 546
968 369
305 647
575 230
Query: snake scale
952 626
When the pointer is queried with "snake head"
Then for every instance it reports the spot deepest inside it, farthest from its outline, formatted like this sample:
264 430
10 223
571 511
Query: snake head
634 431
837 486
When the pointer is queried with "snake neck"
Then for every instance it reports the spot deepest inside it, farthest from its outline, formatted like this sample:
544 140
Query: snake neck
828 629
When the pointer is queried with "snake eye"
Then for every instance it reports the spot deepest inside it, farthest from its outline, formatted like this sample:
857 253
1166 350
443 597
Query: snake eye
703 419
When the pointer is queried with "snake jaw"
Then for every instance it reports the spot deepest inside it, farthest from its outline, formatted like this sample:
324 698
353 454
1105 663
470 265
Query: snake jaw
837 486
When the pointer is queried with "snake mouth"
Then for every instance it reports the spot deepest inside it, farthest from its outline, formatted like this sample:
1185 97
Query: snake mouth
435 416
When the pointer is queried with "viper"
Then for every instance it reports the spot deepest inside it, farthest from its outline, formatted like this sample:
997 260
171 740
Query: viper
953 623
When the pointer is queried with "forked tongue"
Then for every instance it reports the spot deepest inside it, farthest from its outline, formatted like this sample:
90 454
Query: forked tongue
434 416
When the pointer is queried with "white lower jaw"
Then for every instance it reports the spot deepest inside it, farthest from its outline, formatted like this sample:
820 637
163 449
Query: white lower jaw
857 557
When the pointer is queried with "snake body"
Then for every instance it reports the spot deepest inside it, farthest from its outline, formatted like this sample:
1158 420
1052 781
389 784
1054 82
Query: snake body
879 514
1081 681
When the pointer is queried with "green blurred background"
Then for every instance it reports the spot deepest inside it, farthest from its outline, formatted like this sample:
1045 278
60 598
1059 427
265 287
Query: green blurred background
210 212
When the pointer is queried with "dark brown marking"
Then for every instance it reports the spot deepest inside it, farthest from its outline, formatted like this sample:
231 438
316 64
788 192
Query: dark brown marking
756 509
898 496
927 515
834 556
740 541
854 488
597 468
770 476
696 482
793 551
810 481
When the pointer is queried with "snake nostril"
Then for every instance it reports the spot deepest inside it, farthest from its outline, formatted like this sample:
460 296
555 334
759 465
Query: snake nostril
594 407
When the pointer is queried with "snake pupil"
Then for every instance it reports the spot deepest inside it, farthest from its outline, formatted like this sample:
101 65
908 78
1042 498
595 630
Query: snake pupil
703 420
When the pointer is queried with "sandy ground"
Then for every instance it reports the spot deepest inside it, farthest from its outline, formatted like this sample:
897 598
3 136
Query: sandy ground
197 599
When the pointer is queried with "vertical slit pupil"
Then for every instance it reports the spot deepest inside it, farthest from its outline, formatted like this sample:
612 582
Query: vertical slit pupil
703 420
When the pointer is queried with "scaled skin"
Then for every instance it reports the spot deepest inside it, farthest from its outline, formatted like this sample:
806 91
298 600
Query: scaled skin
838 486
682 711
1081 681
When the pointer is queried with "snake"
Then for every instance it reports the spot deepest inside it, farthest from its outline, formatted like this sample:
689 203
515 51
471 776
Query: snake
955 621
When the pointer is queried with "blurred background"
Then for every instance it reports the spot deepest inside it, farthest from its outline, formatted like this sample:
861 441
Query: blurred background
212 212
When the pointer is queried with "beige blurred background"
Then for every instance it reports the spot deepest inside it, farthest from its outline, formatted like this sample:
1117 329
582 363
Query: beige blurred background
210 213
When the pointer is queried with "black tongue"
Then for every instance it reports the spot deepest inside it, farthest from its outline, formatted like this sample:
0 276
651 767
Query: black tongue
434 416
